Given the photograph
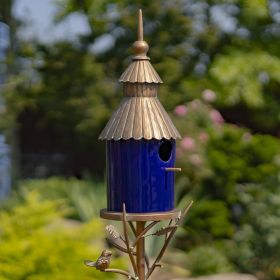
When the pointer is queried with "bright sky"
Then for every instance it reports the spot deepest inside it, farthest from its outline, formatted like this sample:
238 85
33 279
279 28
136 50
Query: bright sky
38 15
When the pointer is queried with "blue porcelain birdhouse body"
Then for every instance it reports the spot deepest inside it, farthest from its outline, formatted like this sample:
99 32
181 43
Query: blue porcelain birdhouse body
141 142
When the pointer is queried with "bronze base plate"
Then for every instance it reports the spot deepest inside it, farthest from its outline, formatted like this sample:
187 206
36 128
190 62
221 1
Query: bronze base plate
140 217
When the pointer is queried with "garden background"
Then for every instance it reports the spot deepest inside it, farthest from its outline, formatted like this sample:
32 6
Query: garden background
220 62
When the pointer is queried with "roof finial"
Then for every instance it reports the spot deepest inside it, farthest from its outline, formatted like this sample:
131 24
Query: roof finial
140 26
140 47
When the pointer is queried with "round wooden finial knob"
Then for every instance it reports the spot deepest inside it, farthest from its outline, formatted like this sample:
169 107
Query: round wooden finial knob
140 47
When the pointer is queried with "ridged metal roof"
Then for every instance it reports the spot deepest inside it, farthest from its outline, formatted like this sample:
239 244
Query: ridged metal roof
140 71
140 114
137 118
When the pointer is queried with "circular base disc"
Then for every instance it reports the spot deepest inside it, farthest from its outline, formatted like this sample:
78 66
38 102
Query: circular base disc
140 217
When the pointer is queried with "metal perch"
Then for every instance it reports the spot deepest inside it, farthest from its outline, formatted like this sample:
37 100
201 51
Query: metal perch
142 270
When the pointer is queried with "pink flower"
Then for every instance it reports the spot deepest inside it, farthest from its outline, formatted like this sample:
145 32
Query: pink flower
180 110
216 117
195 103
203 137
188 143
195 159
208 95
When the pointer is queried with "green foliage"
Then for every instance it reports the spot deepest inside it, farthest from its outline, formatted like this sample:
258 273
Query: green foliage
248 88
66 91
258 237
38 243
217 156
209 216
205 260
236 157
234 184
84 198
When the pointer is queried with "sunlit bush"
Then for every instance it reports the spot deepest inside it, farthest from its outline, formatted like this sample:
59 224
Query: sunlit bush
37 242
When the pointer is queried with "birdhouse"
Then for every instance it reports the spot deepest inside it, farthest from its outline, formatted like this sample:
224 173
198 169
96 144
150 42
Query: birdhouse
140 141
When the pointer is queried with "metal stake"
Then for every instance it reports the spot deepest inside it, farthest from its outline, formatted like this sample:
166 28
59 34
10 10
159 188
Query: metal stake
140 250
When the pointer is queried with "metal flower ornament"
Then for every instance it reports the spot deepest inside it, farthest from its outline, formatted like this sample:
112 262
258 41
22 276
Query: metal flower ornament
141 148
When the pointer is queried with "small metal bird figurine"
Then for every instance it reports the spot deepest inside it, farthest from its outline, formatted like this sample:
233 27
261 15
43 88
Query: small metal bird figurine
102 263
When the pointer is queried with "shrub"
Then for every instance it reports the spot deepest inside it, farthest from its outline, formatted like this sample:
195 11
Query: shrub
233 177
37 242
258 239
205 260
84 198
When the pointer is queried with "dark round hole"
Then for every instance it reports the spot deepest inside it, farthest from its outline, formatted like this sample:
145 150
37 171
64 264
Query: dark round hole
165 150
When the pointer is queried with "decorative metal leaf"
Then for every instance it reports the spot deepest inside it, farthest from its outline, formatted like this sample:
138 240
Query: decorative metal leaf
164 230
179 216
113 231
119 245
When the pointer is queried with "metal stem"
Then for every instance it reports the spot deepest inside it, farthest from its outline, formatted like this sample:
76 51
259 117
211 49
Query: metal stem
120 271
142 234
140 251
135 234
129 251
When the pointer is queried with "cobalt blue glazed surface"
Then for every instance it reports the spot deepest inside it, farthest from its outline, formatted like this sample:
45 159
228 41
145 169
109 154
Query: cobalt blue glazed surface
136 175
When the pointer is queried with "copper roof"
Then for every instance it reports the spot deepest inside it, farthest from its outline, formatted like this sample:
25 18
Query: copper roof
139 117
140 114
140 71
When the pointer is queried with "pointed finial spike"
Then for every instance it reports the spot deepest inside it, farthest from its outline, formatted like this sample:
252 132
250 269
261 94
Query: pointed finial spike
140 47
140 26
